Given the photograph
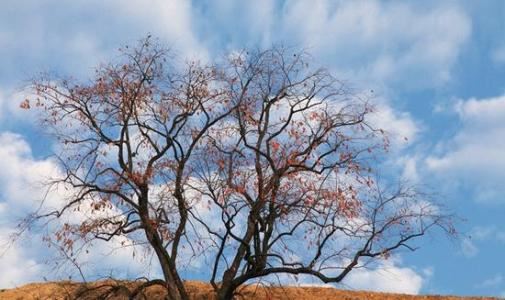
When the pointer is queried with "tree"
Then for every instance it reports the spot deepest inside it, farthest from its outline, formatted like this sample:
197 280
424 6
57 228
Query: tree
258 162
290 182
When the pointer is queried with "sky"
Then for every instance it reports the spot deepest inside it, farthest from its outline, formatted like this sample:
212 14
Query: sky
437 69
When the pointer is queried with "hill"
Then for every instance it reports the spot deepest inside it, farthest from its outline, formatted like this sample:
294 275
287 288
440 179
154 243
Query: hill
198 290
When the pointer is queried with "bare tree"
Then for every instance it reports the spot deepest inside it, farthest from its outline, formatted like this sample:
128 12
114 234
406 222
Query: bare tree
291 182
126 140
278 152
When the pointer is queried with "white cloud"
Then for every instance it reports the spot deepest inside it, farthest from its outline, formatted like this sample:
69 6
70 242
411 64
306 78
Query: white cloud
475 153
71 38
16 265
21 190
413 44
399 126
169 20
365 42
18 192
410 168
11 114
20 175
348 36
388 276
388 41
385 276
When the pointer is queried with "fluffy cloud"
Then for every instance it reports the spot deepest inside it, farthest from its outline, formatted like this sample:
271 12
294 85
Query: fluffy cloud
16 265
384 276
20 175
479 144
475 153
399 126
21 191
17 196
388 276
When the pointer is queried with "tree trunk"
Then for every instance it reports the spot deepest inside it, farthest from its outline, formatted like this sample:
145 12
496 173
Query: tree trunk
225 292
176 290
175 286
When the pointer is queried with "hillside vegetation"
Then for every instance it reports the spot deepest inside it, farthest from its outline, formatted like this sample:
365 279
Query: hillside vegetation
119 290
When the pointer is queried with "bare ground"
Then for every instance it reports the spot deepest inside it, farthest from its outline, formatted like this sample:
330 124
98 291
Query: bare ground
198 291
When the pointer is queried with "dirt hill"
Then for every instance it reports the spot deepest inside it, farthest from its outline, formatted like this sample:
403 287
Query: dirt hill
198 290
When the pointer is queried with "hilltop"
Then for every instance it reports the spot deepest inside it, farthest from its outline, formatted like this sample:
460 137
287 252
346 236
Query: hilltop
199 291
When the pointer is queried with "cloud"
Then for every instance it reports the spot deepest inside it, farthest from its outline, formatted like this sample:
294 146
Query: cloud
496 281
483 233
18 193
475 153
21 192
468 248
410 171
493 283
383 42
470 244
388 276
399 126
71 38
172 21
385 276
16 264
20 175
372 44
364 41
350 37
371 35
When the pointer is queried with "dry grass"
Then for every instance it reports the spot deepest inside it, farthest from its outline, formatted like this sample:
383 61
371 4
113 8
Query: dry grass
198 290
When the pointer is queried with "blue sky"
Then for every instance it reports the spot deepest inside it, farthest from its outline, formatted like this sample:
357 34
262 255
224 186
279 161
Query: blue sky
437 68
